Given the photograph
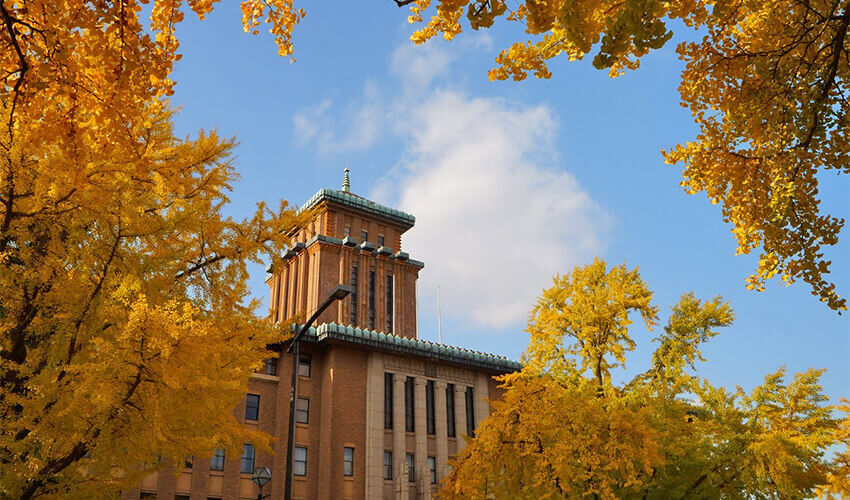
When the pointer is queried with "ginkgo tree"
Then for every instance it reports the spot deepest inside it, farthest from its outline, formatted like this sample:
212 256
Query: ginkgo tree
564 429
126 332
767 82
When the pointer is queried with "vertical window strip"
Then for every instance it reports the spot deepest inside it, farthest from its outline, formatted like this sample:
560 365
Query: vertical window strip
388 465
450 410
470 412
300 461
389 312
429 407
348 461
409 415
388 400
247 459
372 299
353 282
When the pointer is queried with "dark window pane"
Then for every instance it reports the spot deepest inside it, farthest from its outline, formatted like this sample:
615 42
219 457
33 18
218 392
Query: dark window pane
302 410
299 465
352 317
247 459
380 240
411 467
371 299
252 407
304 363
429 407
450 410
364 236
389 303
271 366
388 400
348 461
470 412
432 469
409 415
189 461
388 465
181 497
217 460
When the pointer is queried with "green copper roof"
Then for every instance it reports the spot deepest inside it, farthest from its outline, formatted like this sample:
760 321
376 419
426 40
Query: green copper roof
416 347
356 202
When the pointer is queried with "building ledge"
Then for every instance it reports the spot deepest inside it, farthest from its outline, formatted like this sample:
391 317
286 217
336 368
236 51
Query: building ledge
421 348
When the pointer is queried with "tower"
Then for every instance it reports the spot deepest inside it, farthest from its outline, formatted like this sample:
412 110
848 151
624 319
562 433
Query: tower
355 241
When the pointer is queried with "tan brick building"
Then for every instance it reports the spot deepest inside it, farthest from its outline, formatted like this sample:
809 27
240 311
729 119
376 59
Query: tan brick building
378 411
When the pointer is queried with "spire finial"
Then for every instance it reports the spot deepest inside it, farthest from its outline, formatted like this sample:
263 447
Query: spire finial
346 183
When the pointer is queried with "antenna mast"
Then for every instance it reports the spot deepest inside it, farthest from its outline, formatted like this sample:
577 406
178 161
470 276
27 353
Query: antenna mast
439 318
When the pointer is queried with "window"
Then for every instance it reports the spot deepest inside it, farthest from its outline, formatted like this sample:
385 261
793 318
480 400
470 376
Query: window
299 466
388 465
352 280
247 459
348 461
388 400
372 299
450 410
189 461
304 362
302 410
380 240
271 366
147 495
432 469
389 313
252 407
346 232
429 407
409 415
364 236
470 412
217 460
411 467
181 497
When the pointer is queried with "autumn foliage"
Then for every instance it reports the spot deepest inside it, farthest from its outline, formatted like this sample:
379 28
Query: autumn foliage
565 429
767 82
126 333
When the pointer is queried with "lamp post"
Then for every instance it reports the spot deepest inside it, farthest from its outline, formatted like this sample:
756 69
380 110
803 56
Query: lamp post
261 476
339 292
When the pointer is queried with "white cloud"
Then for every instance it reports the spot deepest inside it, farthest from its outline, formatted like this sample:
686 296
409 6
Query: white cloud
496 214
495 218
362 123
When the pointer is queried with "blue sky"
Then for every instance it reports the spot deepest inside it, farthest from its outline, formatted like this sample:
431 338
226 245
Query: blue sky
510 182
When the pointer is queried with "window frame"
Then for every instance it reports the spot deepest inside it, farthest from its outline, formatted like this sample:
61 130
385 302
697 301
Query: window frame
249 454
305 360
270 367
430 414
469 401
389 302
432 469
255 414
216 459
388 465
300 411
451 417
353 280
296 462
389 394
348 461
410 404
411 467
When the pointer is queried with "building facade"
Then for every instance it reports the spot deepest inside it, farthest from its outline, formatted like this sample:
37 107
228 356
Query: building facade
379 411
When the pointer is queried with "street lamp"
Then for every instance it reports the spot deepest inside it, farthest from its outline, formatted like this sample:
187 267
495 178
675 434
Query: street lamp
261 476
339 292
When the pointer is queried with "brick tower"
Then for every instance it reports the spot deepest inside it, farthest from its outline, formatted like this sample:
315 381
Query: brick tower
355 241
